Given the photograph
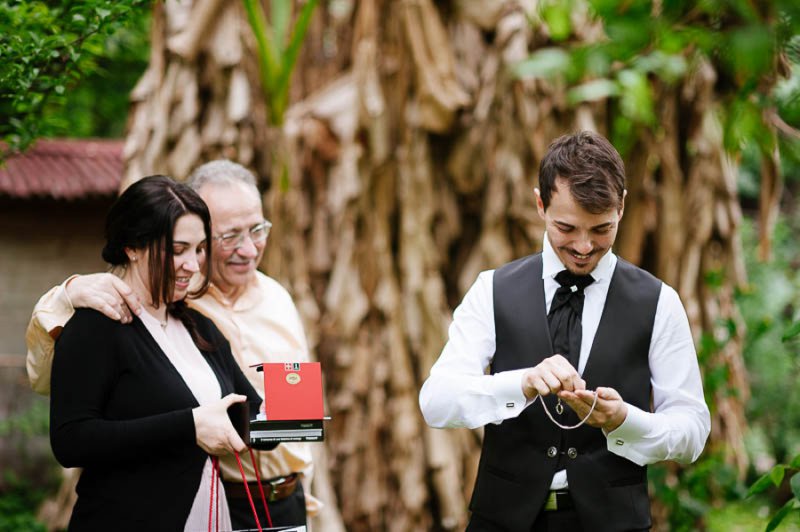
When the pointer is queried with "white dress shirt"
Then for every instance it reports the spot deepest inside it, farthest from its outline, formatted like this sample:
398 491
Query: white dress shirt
459 393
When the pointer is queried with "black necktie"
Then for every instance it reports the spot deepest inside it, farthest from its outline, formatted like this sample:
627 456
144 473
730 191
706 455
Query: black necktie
565 314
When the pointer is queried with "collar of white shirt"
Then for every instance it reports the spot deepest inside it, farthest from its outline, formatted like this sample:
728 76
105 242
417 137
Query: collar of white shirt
551 264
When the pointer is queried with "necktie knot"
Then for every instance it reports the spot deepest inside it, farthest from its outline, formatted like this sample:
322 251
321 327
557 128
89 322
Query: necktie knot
573 282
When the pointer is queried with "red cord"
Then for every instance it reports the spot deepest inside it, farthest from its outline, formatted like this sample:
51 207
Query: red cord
211 501
247 490
260 487
215 461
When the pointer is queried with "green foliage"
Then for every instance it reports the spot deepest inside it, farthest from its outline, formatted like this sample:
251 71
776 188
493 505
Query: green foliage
750 514
688 493
18 505
773 359
33 477
769 307
33 422
278 46
666 41
45 48
775 478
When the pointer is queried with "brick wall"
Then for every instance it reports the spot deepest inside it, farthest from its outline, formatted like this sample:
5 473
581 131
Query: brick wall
41 243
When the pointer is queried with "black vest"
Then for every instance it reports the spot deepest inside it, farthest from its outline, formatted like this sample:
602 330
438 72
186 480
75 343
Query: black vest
516 469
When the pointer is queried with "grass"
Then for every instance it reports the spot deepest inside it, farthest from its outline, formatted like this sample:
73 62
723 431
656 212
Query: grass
748 516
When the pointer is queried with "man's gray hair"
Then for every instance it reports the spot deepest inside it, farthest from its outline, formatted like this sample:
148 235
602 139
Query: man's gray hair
222 172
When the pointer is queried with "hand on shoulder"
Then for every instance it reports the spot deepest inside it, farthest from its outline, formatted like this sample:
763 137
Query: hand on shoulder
105 293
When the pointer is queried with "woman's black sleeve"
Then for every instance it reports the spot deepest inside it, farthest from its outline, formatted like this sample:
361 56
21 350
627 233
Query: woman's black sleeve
85 369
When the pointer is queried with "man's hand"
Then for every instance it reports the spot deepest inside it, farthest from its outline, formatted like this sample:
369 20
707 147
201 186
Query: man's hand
213 429
551 375
609 413
106 293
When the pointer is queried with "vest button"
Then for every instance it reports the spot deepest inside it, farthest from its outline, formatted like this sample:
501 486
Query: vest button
552 452
572 452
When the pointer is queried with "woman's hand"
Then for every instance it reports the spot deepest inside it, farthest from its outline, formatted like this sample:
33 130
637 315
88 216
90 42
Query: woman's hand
215 433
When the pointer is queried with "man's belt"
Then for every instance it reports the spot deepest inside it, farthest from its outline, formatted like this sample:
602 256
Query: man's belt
275 489
558 500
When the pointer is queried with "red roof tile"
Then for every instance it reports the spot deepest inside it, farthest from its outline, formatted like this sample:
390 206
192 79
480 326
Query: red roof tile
64 169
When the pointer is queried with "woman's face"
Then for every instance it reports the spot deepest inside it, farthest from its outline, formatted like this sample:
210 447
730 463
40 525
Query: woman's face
189 248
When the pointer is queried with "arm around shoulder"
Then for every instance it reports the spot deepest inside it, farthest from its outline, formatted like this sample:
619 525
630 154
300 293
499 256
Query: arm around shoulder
51 313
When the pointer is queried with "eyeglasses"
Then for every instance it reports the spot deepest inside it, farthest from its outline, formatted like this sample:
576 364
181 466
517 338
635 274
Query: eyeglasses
233 240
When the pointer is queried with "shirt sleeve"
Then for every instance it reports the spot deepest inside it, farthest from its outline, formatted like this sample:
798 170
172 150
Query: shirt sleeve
680 424
51 313
458 392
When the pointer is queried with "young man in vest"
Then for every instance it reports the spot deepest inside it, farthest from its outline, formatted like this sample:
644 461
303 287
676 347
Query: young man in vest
563 325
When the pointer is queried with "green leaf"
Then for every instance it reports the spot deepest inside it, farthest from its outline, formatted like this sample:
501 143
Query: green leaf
290 58
790 505
281 15
795 463
669 67
790 333
743 123
795 484
749 53
592 91
267 60
544 63
557 18
629 35
777 474
760 485
636 98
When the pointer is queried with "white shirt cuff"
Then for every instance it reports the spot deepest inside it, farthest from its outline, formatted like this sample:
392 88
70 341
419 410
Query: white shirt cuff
634 429
507 391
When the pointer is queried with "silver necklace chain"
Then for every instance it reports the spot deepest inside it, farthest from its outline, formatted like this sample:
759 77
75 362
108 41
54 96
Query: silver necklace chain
560 408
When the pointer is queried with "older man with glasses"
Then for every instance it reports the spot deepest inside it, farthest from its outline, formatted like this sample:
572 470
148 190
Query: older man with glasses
253 311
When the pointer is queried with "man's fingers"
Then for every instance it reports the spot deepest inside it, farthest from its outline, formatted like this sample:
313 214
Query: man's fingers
572 399
129 298
552 381
609 394
108 308
586 396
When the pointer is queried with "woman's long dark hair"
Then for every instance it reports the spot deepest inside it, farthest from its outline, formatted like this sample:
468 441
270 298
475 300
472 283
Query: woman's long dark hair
144 217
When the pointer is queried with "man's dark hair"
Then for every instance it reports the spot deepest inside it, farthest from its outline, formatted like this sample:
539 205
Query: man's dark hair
590 166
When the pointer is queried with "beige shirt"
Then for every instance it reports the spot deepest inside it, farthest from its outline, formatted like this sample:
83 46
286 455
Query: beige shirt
262 325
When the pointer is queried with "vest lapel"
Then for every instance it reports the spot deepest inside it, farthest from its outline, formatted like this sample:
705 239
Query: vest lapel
523 310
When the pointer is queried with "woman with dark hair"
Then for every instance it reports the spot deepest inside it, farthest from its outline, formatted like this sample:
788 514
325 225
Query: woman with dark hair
142 406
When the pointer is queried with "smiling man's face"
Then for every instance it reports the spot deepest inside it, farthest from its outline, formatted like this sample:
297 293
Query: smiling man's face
579 238
233 207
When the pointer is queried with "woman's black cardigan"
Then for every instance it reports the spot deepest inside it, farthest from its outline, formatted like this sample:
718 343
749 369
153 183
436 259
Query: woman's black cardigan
120 410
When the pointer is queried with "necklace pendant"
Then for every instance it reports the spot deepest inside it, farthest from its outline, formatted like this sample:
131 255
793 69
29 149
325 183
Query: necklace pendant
559 408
